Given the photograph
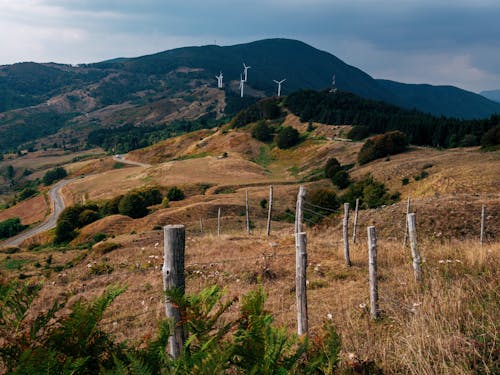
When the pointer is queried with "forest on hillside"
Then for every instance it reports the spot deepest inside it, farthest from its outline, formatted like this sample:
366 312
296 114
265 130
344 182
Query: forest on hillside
374 117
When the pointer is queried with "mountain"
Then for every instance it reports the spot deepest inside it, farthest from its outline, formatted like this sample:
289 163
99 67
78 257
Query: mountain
492 95
62 103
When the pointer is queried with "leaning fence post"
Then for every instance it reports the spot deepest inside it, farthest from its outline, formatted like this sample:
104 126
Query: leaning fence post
483 223
300 282
246 212
201 225
405 241
173 279
218 222
355 225
372 270
415 252
346 235
270 209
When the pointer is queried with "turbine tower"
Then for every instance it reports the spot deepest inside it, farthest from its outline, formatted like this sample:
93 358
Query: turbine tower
242 85
333 89
279 85
219 80
245 71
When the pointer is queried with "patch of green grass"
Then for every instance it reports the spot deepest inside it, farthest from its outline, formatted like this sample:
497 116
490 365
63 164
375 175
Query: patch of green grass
14 264
264 158
187 157
118 165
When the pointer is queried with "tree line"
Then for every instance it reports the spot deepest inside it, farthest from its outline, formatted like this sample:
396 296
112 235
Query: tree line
375 117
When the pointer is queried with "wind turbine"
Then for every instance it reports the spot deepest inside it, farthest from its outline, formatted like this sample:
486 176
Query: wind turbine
245 70
333 89
279 85
219 80
242 85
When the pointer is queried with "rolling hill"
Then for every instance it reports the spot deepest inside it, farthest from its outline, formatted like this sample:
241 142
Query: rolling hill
180 84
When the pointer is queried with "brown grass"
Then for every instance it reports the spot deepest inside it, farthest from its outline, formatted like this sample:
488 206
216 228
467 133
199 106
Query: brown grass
29 211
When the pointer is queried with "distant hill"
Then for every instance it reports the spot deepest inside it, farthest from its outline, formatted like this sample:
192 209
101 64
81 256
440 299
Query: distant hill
180 84
492 95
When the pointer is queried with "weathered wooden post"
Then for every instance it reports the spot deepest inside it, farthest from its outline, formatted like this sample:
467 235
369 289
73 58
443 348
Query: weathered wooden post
346 235
201 225
173 279
269 211
405 241
355 225
247 212
300 282
218 222
415 252
372 270
483 224
299 210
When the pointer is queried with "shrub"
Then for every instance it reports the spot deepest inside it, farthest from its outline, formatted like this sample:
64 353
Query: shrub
106 247
262 132
332 166
287 137
65 231
27 193
341 179
382 145
263 203
358 132
324 202
86 217
152 196
10 227
54 175
405 181
110 207
165 203
370 192
98 237
175 194
133 205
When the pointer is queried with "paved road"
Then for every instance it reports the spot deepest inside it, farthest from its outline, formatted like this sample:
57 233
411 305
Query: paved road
50 222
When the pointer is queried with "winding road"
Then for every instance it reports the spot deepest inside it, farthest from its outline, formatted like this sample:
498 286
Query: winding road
49 223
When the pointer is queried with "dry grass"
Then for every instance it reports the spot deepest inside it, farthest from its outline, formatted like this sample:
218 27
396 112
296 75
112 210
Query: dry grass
30 211
448 325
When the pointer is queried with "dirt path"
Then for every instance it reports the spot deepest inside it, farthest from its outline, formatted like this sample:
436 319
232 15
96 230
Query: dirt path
49 223
121 159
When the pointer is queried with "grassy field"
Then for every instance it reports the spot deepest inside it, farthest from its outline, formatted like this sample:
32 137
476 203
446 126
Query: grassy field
447 325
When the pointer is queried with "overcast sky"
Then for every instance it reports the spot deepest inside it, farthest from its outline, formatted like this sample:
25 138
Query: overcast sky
451 42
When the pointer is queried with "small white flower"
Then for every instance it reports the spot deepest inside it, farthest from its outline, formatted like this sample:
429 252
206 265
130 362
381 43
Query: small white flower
441 261
362 305
329 316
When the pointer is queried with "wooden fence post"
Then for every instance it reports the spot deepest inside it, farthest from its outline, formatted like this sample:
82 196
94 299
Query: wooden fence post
300 282
201 225
415 252
299 210
247 212
483 223
355 225
405 241
346 235
173 278
372 270
269 211
218 222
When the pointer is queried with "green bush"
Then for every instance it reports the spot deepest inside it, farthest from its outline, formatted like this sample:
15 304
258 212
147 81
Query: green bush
382 145
54 175
27 193
370 192
151 196
110 207
332 166
358 132
11 227
262 131
324 202
287 137
65 231
341 179
175 194
133 205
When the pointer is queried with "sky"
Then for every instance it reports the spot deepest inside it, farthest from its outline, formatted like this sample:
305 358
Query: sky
441 42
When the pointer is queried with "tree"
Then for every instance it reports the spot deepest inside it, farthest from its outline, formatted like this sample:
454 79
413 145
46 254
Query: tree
287 137
491 137
65 231
10 227
341 179
389 143
54 175
133 205
332 166
262 131
175 194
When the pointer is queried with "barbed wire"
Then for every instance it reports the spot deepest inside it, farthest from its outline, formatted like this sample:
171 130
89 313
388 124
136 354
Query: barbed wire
320 207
